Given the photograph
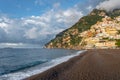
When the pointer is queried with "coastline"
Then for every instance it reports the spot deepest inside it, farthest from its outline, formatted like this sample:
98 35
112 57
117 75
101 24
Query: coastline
91 65
61 63
54 57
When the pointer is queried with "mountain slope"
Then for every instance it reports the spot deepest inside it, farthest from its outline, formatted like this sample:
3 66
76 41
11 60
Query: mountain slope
71 38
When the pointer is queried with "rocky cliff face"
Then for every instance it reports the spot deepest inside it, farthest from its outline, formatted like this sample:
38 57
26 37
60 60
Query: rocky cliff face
83 32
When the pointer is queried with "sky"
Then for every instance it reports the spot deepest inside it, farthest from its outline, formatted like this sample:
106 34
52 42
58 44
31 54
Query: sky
26 8
32 23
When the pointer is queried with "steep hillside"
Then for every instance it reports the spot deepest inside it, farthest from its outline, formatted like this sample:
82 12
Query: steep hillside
71 38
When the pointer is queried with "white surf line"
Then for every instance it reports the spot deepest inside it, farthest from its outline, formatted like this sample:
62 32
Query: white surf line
53 63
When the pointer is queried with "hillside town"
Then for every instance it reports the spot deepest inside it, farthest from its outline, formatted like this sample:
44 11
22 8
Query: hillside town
102 35
97 30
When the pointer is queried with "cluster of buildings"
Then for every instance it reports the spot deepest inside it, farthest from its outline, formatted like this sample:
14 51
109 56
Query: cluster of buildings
103 34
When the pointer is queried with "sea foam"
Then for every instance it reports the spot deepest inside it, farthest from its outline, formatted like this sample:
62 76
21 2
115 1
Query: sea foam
39 69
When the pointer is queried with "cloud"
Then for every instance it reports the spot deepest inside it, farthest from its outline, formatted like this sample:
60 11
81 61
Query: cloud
87 5
51 23
19 45
56 5
11 44
109 5
89 8
37 29
46 2
39 2
32 33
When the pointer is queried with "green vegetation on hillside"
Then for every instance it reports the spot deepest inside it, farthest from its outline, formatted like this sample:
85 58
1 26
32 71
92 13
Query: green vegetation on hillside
70 37
83 24
118 42
118 31
86 22
75 40
114 13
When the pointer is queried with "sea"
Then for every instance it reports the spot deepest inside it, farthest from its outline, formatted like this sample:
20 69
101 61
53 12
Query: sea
20 63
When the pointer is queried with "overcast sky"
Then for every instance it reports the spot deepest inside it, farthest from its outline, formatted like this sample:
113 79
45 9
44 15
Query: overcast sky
32 23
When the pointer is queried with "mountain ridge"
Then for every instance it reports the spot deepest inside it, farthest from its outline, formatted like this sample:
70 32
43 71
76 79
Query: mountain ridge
71 38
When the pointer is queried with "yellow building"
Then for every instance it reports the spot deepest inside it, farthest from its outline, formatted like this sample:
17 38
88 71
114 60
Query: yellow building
108 44
92 40
111 31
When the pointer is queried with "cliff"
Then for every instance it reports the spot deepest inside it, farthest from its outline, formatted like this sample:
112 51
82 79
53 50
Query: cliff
97 28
